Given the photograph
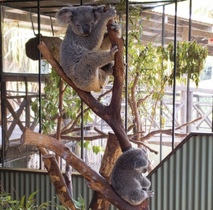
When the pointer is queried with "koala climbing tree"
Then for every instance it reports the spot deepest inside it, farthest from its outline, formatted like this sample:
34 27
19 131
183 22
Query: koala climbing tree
82 56
110 113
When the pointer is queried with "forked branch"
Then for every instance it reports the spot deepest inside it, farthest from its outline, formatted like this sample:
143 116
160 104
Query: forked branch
95 181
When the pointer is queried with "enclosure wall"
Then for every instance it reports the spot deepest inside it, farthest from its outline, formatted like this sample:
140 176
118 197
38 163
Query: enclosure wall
21 182
183 180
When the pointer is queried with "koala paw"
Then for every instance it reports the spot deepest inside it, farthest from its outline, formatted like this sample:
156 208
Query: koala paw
110 13
116 27
150 193
113 50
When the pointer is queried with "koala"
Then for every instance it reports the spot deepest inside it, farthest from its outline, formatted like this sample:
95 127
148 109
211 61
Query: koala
127 178
85 53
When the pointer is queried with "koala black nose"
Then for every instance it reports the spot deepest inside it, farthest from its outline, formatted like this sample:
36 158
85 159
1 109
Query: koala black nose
86 29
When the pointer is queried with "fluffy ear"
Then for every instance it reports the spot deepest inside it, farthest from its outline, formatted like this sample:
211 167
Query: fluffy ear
98 11
64 15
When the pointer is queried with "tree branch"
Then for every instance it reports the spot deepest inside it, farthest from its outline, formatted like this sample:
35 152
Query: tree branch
58 181
115 120
110 114
169 131
87 97
141 143
95 181
111 153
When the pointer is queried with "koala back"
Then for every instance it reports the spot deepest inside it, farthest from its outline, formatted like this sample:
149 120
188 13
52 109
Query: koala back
127 178
133 159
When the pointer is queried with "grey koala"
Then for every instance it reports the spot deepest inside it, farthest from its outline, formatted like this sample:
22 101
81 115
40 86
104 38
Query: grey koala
85 52
127 178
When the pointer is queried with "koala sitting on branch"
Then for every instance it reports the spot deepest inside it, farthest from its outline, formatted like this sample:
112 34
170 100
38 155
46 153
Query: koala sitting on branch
85 53
127 178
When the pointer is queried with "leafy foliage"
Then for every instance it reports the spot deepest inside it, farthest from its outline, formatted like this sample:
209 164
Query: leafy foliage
151 69
80 203
50 103
95 148
25 203
190 60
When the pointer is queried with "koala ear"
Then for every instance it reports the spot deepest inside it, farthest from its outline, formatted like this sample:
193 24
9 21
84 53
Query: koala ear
98 11
64 15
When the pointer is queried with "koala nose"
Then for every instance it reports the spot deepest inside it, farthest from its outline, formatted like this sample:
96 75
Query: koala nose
86 29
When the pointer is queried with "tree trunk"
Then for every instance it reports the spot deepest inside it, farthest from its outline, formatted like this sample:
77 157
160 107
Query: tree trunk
111 114
95 181
111 154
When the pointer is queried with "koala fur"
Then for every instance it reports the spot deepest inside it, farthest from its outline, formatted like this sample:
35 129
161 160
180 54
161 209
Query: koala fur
85 52
127 178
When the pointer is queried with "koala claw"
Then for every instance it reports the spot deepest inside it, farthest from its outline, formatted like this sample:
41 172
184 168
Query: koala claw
116 27
111 12
150 193
113 50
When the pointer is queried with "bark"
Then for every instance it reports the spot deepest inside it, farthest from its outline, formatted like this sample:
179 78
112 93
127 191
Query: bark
105 112
111 154
53 43
137 119
58 181
68 179
60 107
95 181
111 113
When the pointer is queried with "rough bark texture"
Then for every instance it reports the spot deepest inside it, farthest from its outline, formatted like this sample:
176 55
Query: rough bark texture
58 181
111 154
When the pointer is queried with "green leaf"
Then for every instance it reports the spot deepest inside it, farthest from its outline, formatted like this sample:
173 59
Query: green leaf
22 202
97 149
87 145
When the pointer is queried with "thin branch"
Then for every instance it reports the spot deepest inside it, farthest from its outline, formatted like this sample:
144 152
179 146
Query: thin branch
103 94
140 101
100 132
169 131
69 128
72 124
130 128
145 145
88 138
188 123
